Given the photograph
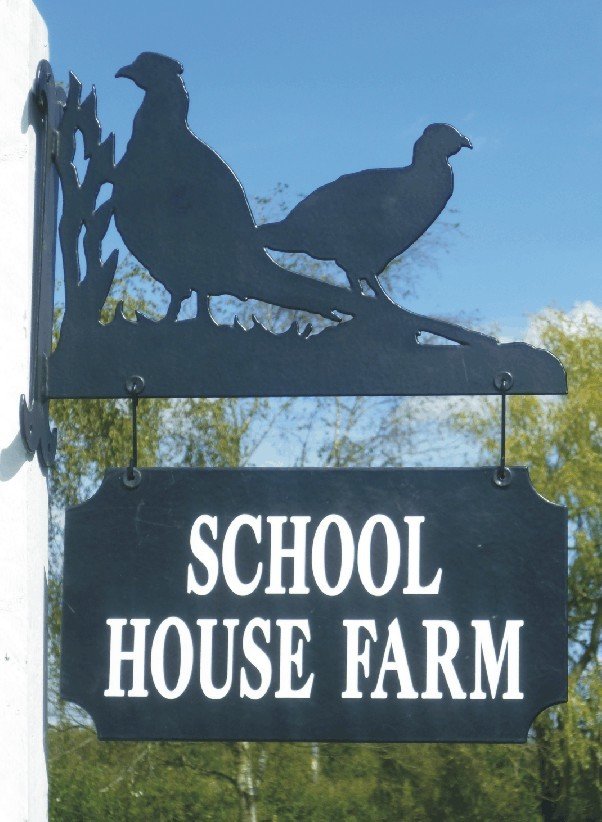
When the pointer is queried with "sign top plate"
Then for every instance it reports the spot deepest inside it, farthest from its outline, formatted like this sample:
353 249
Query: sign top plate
183 215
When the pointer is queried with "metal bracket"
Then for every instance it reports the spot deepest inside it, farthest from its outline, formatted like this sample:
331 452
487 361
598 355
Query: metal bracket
502 476
34 416
131 476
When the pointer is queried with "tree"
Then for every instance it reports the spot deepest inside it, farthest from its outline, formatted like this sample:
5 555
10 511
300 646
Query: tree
560 441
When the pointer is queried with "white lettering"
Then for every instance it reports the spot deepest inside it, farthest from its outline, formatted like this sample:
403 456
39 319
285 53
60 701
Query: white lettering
297 553
257 657
493 664
158 658
414 586
117 655
234 582
364 550
398 662
435 660
354 657
288 658
205 554
318 556
206 664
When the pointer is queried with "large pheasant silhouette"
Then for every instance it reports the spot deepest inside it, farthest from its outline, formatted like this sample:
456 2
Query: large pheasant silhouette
362 221
183 214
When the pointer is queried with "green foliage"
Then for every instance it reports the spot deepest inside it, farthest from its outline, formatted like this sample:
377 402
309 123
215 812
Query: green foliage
138 781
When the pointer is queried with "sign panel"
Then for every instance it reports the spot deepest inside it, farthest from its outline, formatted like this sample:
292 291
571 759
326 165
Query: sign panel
285 604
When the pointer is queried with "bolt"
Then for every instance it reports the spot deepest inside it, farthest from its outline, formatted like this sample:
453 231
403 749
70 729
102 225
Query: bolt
135 384
131 478
502 477
503 381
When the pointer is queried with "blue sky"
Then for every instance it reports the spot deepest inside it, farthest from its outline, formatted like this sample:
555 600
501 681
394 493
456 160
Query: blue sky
301 92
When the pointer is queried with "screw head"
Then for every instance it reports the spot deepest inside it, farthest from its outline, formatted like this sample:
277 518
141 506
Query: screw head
502 477
503 381
134 384
131 478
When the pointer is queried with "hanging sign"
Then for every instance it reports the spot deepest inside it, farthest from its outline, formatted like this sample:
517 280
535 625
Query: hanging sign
277 604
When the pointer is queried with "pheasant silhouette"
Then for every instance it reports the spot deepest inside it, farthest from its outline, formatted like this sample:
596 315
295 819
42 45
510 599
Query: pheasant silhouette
184 215
362 221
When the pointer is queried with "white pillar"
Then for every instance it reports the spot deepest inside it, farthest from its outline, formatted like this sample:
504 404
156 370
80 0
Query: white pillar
23 494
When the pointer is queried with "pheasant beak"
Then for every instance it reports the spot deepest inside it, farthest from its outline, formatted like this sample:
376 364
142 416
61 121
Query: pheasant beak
126 71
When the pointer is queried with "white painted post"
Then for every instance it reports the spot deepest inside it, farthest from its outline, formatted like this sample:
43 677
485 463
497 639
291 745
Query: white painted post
23 493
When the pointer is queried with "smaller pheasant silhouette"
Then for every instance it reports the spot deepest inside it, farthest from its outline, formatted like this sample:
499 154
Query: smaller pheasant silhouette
362 221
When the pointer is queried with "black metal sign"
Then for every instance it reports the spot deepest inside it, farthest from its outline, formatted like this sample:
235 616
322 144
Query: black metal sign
183 215
399 605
